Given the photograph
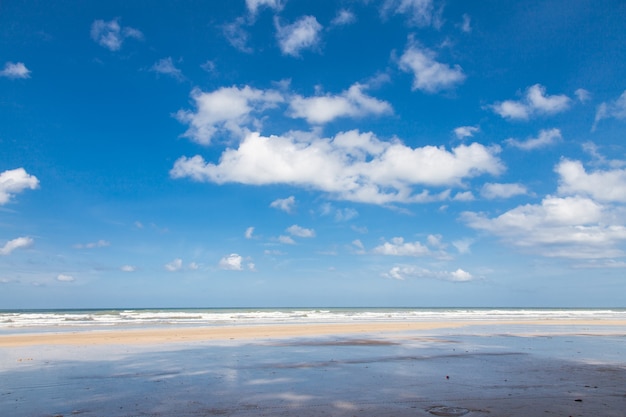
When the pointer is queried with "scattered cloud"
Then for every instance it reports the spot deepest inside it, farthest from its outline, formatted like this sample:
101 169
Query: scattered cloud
545 138
495 190
463 245
463 132
15 70
464 196
598 158
344 17
466 24
404 272
111 35
535 102
285 204
286 240
421 13
65 278
249 232
430 76
351 166
175 265
14 181
434 247
128 268
235 262
254 5
99 244
17 243
226 109
166 66
602 185
398 247
236 35
298 231
611 110
582 95
298 36
350 103
346 214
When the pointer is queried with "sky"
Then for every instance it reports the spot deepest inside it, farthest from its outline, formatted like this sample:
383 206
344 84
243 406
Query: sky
285 153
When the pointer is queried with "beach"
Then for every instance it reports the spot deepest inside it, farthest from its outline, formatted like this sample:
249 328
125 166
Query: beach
474 368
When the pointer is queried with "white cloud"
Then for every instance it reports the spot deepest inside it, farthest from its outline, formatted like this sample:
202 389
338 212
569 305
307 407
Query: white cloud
299 231
350 103
463 132
346 214
298 36
65 278
15 70
496 190
344 17
466 25
535 102
17 243
175 265
605 186
615 109
464 196
235 262
285 204
286 240
249 232
194 266
254 5
598 158
236 35
226 109
167 67
99 244
111 35
15 181
582 95
404 272
545 138
570 227
398 247
128 268
420 13
463 245
430 76
351 166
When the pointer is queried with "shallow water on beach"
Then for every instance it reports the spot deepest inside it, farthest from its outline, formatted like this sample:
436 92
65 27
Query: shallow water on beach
408 374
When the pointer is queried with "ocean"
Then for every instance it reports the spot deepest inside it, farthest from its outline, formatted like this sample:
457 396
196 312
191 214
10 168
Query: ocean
19 321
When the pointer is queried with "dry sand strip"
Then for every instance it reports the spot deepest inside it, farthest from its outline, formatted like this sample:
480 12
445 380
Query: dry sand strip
196 334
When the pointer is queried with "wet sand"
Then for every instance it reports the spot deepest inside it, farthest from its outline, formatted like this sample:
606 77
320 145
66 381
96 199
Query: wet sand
555 368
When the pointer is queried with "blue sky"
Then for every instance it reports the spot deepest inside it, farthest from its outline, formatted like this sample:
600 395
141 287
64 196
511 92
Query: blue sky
312 153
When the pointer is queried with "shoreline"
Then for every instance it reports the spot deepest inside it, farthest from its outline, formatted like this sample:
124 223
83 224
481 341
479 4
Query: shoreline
177 334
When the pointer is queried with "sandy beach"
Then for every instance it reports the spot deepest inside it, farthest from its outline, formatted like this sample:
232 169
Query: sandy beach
499 368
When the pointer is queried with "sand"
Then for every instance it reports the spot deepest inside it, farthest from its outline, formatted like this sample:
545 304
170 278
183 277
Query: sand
555 368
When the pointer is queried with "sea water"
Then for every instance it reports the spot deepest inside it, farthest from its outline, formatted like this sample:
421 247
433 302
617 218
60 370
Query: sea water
18 321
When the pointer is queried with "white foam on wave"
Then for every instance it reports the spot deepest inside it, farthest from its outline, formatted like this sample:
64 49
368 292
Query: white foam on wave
216 317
